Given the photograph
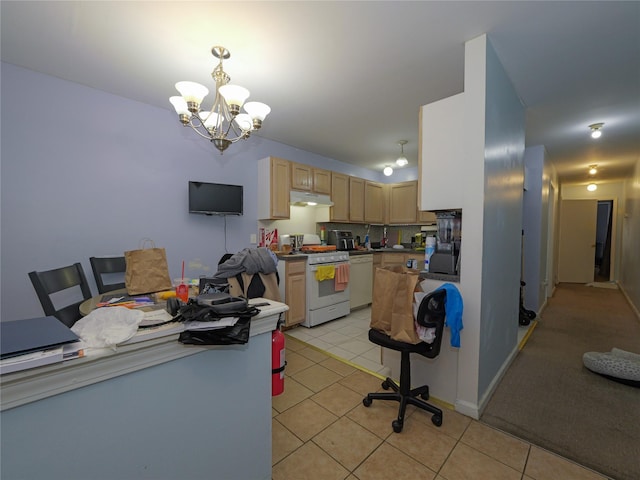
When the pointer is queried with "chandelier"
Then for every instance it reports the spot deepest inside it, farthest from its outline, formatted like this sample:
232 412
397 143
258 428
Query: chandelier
223 124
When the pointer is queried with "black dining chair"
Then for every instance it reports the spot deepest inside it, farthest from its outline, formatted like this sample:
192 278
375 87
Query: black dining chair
53 281
108 266
431 314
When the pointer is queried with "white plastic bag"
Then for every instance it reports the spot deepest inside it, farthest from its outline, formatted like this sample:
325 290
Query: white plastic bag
427 335
108 326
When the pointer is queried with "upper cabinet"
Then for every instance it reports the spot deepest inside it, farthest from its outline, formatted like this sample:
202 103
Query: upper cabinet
403 202
374 204
356 199
301 177
426 218
309 179
443 156
339 212
322 181
273 192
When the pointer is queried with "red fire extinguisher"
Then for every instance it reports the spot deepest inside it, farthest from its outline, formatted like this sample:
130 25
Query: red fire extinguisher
277 362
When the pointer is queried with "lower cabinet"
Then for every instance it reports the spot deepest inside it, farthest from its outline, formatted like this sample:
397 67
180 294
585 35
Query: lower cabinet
293 288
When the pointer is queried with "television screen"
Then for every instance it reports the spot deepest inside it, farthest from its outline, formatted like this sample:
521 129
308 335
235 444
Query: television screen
215 198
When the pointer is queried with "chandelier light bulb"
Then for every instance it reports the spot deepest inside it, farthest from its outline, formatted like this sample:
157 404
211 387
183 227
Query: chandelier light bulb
235 96
179 104
211 120
193 93
257 110
244 122
592 187
388 171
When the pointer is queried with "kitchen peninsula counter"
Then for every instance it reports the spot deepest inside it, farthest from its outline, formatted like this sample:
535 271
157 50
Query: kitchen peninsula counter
153 409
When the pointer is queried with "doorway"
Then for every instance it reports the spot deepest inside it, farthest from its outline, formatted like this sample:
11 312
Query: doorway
602 262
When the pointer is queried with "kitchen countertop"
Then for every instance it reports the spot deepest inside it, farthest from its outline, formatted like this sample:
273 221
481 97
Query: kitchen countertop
419 253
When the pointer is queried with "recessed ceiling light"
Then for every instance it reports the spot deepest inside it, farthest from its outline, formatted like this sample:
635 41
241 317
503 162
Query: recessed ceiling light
593 169
592 187
387 171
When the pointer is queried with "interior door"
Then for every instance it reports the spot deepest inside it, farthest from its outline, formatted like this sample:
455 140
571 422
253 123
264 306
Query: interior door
577 240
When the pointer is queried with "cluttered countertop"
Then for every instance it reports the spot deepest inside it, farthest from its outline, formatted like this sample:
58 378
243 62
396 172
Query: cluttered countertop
148 347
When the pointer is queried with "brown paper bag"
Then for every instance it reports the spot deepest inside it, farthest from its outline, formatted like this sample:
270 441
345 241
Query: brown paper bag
146 270
392 305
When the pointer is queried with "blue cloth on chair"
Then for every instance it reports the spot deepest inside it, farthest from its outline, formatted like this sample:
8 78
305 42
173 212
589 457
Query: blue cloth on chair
453 308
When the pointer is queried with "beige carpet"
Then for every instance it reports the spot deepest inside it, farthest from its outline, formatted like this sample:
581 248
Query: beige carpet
547 396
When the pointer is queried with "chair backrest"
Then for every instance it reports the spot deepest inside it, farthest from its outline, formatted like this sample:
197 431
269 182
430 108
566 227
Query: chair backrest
431 314
52 281
107 265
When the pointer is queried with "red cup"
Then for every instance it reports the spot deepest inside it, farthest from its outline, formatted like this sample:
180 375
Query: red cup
182 288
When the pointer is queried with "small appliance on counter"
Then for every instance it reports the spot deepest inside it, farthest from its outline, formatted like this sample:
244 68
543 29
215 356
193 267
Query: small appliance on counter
342 239
448 241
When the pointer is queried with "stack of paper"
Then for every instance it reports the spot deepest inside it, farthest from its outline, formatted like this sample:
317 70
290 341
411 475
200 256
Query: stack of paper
31 360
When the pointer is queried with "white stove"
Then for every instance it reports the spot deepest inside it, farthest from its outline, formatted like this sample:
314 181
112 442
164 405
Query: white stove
326 257
325 300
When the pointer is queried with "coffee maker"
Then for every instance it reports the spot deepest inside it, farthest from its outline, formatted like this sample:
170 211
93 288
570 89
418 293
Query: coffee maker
446 257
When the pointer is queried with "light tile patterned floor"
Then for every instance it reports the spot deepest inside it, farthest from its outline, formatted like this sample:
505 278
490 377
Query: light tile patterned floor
347 338
321 429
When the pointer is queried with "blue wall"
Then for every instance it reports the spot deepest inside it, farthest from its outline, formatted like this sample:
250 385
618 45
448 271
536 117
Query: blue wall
502 221
86 173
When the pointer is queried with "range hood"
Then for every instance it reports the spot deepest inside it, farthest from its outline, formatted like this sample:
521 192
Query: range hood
304 199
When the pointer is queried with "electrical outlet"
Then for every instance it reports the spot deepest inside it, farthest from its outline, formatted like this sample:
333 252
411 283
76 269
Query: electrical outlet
254 238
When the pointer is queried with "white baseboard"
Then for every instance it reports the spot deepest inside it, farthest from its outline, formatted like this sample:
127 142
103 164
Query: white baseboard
468 409
633 307
496 381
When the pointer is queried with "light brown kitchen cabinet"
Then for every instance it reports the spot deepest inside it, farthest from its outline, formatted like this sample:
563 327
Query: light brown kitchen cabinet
392 259
356 199
398 259
403 203
273 188
426 218
339 212
309 179
374 202
295 291
301 177
321 181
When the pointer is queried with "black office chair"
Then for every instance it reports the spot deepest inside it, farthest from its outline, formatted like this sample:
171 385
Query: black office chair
431 313
107 265
53 281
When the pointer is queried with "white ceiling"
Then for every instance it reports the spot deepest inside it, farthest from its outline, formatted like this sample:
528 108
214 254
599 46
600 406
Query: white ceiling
346 79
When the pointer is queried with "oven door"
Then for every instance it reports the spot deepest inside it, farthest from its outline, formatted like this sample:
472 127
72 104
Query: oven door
323 293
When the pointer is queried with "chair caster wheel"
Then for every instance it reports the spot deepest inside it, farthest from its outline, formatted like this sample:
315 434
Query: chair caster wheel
436 420
425 396
366 401
386 385
397 426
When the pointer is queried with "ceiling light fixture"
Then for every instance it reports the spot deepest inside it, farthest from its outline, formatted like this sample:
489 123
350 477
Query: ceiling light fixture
592 187
387 171
223 124
402 160
593 169
596 130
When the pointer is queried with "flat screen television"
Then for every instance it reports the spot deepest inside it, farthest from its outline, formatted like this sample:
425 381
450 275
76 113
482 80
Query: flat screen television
215 198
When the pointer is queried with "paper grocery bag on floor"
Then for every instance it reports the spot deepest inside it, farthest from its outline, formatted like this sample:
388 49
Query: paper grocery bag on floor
392 305
146 269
